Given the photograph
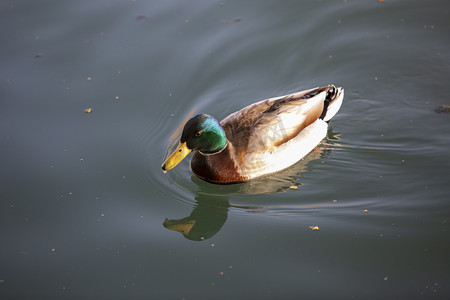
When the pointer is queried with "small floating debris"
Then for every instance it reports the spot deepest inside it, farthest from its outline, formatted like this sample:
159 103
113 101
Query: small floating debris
232 21
141 17
88 110
443 108
365 211
294 187
314 227
89 78
38 55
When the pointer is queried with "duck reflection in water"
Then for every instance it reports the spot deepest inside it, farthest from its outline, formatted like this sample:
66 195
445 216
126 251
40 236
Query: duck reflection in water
205 220
212 201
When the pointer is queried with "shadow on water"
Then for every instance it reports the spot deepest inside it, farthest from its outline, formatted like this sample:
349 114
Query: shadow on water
211 207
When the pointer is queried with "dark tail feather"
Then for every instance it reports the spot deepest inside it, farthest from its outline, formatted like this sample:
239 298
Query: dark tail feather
331 94
332 102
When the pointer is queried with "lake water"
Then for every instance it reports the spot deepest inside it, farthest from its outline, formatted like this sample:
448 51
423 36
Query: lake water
86 212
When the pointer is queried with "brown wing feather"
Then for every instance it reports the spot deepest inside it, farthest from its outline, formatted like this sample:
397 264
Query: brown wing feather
262 126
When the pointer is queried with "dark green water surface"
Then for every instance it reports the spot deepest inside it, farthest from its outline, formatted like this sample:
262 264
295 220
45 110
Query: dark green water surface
86 212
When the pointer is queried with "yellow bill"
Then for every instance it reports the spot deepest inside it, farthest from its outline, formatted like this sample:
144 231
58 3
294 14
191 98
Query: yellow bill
176 157
184 226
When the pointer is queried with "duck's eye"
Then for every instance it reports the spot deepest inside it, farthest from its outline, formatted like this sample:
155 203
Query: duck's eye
199 133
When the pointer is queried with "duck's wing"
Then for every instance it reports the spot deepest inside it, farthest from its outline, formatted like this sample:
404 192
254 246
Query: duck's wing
267 124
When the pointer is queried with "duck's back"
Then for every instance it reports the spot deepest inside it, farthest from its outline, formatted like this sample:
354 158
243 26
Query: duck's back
270 123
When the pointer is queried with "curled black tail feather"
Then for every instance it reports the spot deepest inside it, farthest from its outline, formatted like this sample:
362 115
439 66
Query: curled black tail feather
331 95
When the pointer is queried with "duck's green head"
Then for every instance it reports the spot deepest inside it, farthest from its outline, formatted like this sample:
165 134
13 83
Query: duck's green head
202 133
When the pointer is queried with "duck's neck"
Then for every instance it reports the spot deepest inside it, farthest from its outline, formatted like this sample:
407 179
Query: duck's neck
220 149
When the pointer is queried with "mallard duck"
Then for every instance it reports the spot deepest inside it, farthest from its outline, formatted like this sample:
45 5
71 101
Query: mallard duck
260 139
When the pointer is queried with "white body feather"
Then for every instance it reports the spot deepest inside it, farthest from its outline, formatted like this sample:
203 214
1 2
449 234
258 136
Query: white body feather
287 154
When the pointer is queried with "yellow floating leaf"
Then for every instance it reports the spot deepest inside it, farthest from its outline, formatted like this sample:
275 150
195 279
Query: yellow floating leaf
314 227
88 110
